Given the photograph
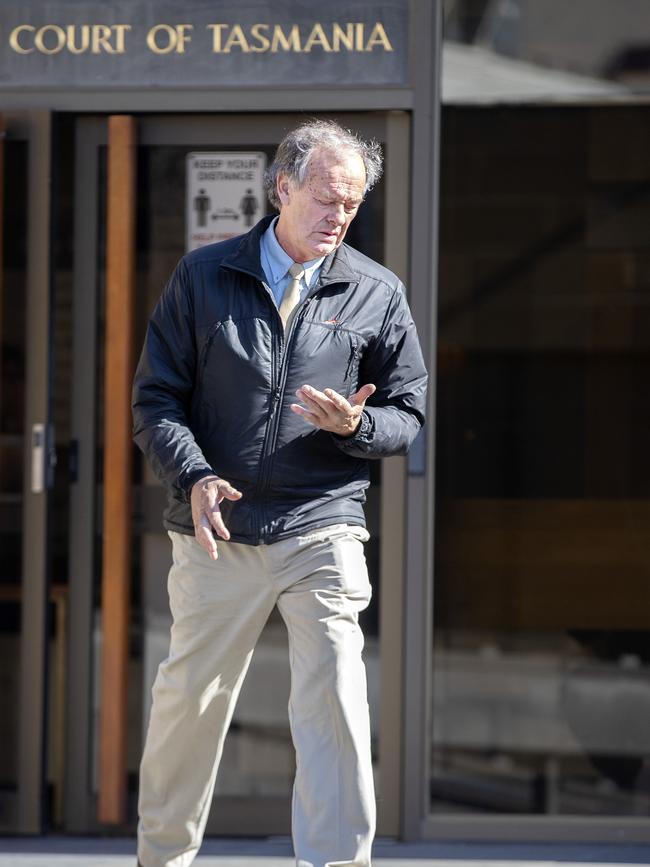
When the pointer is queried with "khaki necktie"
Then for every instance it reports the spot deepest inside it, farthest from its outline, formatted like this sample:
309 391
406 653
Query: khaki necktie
291 297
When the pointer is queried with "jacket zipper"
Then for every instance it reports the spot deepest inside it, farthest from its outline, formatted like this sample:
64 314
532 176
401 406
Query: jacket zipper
269 444
276 349
270 438
278 397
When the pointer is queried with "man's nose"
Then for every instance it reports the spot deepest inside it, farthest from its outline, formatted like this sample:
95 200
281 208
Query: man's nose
337 215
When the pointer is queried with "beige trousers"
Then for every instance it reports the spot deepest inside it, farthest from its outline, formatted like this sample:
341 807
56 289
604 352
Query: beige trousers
319 581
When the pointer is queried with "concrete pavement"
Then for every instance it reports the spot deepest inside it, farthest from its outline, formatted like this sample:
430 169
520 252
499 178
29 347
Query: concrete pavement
68 851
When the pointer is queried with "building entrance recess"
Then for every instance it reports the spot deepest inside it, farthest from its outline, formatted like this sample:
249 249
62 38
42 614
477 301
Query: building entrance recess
254 786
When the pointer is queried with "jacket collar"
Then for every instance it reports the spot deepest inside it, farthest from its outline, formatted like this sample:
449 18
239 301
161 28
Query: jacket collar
335 268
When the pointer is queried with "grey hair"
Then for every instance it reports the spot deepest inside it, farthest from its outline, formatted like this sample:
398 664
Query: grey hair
296 149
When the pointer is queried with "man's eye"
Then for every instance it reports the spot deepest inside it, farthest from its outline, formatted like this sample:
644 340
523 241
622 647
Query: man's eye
349 209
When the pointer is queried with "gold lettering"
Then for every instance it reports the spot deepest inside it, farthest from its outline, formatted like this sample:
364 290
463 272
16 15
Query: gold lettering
216 36
59 33
170 34
182 37
120 33
75 38
341 37
317 37
264 41
101 39
290 43
378 36
236 39
358 33
13 38
71 30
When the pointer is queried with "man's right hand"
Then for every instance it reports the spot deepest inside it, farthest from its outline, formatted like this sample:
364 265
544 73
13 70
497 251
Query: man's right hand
206 495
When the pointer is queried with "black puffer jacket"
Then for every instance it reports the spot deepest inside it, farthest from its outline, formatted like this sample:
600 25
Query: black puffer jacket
217 375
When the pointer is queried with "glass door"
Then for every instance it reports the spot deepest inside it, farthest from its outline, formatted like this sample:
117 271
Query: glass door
26 467
254 785
12 441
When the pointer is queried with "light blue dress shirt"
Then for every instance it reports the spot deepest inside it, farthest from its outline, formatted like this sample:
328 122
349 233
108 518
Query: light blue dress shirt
276 263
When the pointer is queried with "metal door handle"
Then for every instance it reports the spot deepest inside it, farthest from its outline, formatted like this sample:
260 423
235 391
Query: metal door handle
38 458
43 457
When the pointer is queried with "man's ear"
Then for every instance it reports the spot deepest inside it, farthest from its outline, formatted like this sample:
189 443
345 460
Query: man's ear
282 188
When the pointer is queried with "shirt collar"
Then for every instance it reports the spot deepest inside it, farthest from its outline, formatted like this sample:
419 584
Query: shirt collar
279 261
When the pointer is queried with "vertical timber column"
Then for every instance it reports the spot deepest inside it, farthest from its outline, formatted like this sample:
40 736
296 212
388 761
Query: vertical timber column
116 559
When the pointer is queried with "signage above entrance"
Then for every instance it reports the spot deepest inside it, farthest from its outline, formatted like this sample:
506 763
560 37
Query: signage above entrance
225 195
200 43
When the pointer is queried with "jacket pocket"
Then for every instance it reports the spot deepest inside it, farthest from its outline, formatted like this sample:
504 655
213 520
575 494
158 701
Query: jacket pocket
205 351
351 378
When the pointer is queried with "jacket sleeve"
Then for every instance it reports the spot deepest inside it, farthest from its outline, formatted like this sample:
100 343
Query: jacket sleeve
163 387
393 362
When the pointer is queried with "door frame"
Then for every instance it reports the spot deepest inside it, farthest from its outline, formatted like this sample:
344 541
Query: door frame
23 810
80 809
238 815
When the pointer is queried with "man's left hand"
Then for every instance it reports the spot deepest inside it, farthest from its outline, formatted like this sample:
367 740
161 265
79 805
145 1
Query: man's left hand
330 411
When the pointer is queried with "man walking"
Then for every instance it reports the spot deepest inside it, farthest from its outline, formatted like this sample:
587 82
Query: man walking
275 365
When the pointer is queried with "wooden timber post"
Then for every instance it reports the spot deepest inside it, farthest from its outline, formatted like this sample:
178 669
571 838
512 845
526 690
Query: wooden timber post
118 451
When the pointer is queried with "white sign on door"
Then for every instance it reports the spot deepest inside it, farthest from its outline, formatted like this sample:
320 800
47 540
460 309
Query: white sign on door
225 195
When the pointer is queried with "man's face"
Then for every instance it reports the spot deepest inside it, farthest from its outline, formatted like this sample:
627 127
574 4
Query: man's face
315 216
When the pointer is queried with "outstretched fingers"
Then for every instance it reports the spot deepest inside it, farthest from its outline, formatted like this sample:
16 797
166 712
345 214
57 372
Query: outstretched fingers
215 519
226 491
205 537
330 411
223 491
338 400
206 496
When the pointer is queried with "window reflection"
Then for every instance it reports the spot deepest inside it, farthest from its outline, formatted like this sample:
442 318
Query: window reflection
541 658
526 50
